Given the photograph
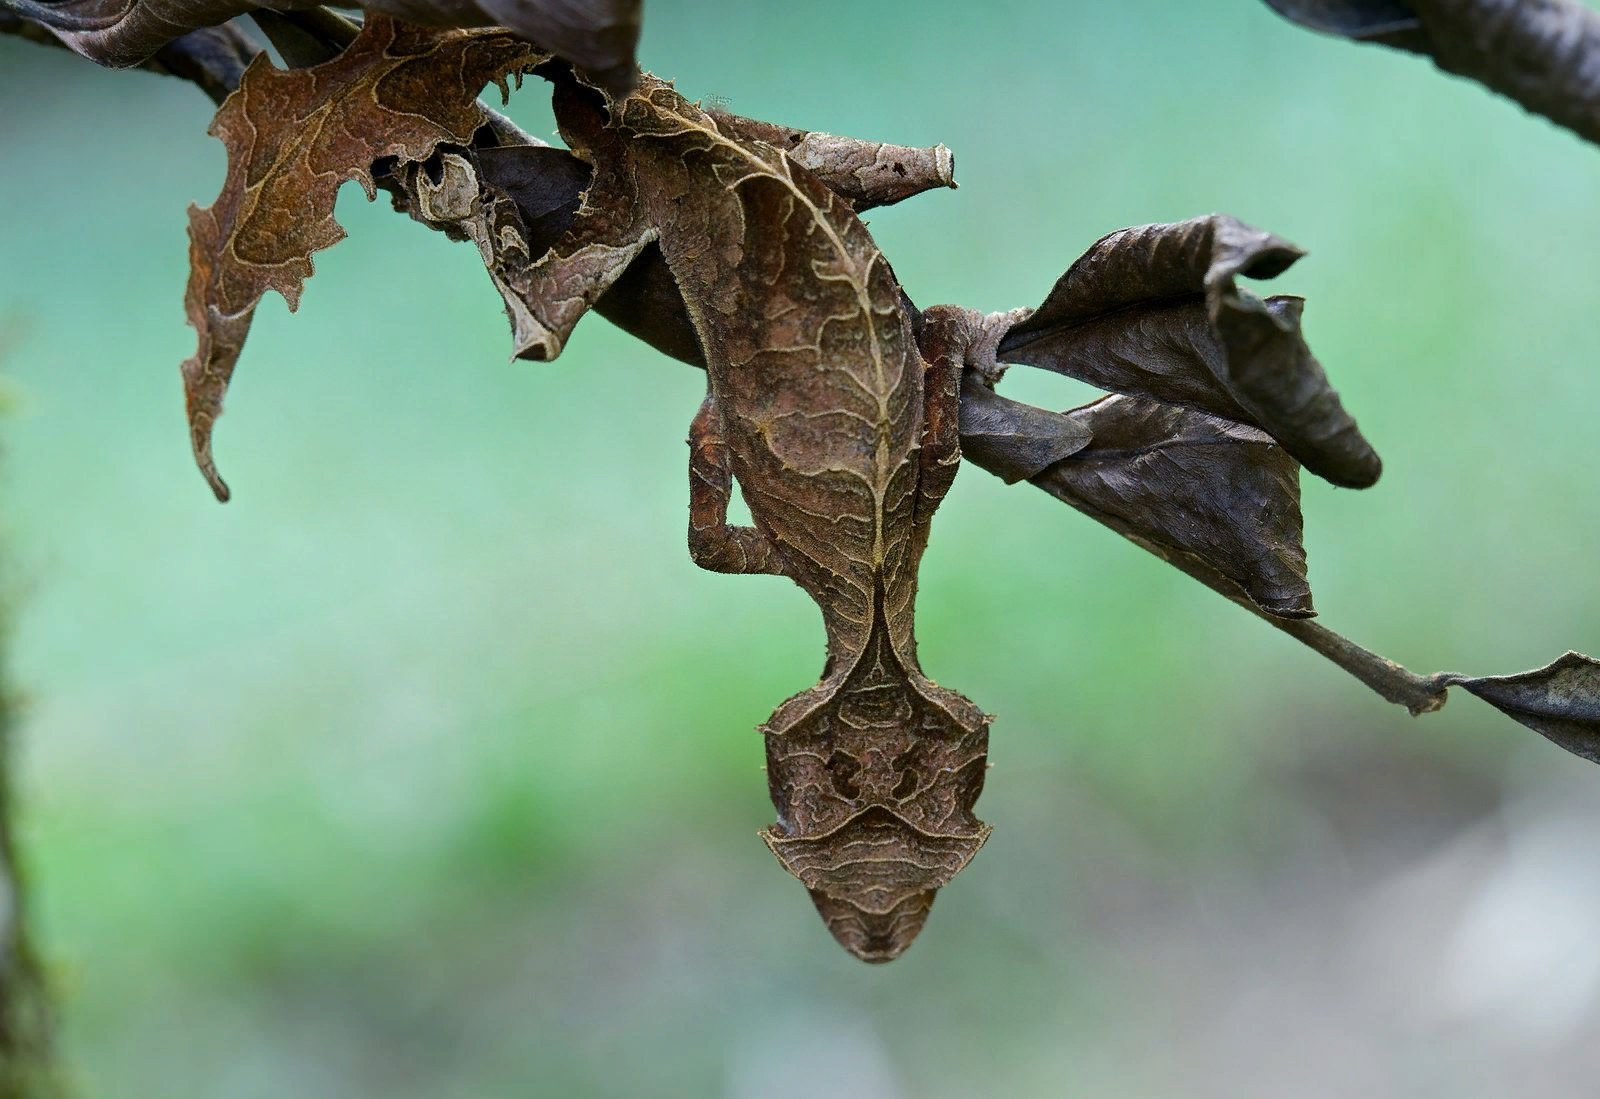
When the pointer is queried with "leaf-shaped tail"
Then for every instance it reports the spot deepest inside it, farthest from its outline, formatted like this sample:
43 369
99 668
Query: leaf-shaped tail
1544 54
1155 311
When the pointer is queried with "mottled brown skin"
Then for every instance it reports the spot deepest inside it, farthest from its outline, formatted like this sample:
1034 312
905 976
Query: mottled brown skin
842 439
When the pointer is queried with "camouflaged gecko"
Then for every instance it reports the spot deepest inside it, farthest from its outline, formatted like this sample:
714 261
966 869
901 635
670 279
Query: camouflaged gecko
843 440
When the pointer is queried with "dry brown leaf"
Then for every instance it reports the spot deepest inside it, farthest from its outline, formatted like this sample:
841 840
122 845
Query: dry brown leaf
1545 54
598 36
293 137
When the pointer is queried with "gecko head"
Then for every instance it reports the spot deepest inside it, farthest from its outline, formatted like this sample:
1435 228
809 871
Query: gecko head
874 876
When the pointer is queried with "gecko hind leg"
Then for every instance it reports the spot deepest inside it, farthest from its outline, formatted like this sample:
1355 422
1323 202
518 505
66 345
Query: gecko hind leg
713 544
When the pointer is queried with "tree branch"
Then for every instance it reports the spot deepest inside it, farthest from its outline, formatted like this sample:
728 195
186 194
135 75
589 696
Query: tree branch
1561 701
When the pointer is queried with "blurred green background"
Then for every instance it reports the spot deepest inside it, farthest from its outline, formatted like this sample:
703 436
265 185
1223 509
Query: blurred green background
426 768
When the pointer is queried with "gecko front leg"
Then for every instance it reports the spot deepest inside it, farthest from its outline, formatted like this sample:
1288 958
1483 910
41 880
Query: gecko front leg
952 340
713 544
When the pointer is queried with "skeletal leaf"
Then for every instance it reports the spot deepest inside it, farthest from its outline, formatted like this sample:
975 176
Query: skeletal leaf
596 35
293 137
1545 54
1155 311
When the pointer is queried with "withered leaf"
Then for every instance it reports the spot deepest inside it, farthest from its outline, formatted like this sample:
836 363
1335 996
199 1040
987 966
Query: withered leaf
1155 311
1012 440
1545 54
1560 701
292 138
213 58
545 188
1193 489
598 36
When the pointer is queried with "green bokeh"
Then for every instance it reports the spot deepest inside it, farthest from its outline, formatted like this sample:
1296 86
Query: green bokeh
426 767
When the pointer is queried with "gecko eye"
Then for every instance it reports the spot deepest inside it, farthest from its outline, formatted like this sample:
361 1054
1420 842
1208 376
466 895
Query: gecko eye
906 786
843 770
904 765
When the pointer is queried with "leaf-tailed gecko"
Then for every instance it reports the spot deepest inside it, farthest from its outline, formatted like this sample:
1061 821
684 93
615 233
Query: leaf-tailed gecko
833 405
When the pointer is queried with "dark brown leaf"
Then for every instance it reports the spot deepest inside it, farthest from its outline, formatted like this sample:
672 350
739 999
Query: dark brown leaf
1014 441
1545 54
1191 488
1390 22
292 138
1155 311
1560 701
598 36
213 59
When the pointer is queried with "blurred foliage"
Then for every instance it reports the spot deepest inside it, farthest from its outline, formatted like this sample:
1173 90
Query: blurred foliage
27 1024
427 766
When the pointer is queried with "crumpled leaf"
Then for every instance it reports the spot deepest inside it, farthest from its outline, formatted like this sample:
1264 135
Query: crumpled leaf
1545 54
529 194
1390 22
1560 701
1199 492
213 58
1154 311
1012 440
293 137
598 36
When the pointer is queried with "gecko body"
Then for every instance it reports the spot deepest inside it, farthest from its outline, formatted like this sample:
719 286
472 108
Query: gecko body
843 439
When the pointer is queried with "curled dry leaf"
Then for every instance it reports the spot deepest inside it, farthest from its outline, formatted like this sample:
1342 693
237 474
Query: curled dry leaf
1560 701
598 36
529 194
1193 489
292 138
213 59
1012 440
1155 311
1545 54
